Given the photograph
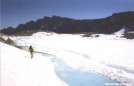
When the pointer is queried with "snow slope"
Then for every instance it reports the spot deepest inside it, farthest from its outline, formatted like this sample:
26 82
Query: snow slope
17 69
122 31
72 60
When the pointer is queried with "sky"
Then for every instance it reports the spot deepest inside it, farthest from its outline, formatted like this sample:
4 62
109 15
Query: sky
15 12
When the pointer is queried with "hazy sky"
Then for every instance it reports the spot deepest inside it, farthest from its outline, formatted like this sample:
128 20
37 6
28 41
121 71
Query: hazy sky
15 12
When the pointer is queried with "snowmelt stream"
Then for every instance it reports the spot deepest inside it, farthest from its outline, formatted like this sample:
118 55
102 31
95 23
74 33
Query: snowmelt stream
76 77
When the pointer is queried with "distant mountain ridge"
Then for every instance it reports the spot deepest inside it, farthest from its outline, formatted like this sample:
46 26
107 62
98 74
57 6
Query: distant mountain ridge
58 24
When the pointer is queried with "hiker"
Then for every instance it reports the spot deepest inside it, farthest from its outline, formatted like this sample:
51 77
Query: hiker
31 50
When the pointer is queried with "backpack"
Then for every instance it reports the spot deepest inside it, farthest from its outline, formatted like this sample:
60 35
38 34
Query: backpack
31 49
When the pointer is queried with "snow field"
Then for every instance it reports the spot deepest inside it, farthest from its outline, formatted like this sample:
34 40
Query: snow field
67 56
18 69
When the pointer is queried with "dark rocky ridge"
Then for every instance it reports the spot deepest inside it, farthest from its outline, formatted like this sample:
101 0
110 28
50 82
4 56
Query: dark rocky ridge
67 25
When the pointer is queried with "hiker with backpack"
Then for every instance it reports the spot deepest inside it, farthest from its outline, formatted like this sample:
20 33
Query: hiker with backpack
31 50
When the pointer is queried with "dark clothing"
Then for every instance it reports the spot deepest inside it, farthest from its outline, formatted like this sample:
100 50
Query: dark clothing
31 50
